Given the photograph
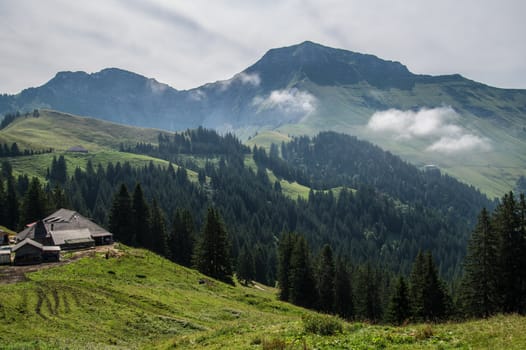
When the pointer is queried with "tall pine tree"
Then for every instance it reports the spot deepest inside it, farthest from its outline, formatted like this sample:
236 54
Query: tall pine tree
480 294
158 234
343 296
34 206
246 270
121 223
507 223
212 254
399 308
141 218
182 238
301 279
286 244
325 282
428 294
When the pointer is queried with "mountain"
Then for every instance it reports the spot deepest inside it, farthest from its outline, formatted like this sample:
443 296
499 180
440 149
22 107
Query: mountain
470 130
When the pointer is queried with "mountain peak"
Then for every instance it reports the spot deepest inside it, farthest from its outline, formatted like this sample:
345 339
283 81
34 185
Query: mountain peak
329 66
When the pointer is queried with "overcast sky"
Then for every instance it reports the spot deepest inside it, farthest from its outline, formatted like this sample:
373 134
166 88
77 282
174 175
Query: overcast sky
187 43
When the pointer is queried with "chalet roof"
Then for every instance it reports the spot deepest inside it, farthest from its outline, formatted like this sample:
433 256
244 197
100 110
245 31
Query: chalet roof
5 252
65 220
63 237
27 241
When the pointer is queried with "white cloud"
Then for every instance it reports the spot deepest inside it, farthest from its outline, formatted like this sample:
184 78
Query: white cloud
156 87
197 95
252 79
288 101
409 124
249 79
465 143
436 125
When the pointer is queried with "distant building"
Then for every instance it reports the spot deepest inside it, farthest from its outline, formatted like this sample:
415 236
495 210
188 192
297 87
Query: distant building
68 230
77 149
28 252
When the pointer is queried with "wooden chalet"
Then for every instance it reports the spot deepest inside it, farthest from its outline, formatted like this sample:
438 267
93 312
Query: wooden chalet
68 230
28 252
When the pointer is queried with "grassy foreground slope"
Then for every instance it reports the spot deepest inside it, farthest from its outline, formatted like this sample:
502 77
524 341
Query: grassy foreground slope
136 299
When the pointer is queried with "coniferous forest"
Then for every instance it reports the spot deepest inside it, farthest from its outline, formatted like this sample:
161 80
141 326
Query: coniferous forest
375 239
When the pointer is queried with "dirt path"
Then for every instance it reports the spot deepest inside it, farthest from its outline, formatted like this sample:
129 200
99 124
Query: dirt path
14 274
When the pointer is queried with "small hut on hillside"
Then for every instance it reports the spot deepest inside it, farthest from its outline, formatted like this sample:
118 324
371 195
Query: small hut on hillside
77 149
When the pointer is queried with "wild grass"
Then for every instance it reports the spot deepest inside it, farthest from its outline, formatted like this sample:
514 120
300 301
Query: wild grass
136 299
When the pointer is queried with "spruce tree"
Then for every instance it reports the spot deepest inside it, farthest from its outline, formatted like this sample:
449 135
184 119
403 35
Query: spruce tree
3 209
436 299
326 280
480 295
121 223
301 280
212 254
343 295
369 302
34 205
141 234
417 287
246 270
428 294
181 241
58 198
261 264
399 308
507 223
158 234
58 172
12 205
286 244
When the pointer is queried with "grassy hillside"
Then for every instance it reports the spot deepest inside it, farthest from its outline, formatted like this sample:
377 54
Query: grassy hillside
136 299
61 131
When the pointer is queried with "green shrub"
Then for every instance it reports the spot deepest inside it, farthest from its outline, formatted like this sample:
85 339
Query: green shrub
322 324
274 344
425 332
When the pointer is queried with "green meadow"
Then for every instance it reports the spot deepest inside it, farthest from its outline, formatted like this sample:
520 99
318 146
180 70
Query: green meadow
135 299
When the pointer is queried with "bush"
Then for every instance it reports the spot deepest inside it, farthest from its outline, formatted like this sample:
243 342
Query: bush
274 344
424 333
322 324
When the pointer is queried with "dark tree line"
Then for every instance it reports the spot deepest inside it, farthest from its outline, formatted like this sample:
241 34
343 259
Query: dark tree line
364 292
12 150
200 141
495 266
11 117
135 222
